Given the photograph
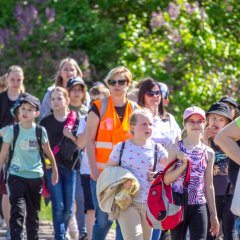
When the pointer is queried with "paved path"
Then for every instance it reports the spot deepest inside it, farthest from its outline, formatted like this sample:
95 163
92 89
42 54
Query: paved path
46 230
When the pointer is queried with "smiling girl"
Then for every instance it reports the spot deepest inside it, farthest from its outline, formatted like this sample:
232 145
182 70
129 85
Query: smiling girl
201 185
218 116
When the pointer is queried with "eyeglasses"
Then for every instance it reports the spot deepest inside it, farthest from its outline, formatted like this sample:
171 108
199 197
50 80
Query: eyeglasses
112 82
151 93
199 122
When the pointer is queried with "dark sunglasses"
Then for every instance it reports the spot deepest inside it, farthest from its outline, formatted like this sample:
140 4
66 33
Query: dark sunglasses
151 93
112 82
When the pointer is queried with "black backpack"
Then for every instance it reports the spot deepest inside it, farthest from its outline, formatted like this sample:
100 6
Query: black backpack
11 151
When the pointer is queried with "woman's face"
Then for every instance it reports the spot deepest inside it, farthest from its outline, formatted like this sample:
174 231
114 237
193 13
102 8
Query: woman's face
153 100
232 110
117 89
68 70
15 80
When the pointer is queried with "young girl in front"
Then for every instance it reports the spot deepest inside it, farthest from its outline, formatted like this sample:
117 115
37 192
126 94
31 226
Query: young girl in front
201 184
218 116
138 157
63 193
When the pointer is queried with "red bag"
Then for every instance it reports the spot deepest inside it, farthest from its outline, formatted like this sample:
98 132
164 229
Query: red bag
45 192
165 208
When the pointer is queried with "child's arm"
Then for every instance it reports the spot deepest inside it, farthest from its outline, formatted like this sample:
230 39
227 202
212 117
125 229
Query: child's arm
210 194
173 174
81 140
4 152
51 158
68 133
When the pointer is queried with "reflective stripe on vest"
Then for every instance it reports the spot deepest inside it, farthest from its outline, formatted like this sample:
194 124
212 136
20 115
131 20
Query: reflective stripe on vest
107 145
101 165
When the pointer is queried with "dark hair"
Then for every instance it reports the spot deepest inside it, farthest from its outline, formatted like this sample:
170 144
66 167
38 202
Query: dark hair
147 84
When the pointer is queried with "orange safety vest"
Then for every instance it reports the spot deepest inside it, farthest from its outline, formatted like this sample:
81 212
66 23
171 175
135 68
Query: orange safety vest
110 132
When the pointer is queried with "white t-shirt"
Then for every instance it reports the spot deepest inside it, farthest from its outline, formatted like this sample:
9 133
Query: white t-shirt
165 133
138 160
84 169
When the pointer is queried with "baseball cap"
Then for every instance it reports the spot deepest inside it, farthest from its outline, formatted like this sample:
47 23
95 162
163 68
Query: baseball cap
13 109
164 89
74 81
98 83
220 108
230 100
32 100
194 110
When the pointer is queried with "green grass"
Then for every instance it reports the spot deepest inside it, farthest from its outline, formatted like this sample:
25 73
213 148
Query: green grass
45 212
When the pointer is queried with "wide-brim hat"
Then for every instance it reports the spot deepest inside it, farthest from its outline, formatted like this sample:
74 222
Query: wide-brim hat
221 109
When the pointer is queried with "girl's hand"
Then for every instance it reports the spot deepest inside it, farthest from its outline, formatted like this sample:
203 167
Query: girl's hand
54 177
208 132
214 229
182 157
127 184
151 175
68 133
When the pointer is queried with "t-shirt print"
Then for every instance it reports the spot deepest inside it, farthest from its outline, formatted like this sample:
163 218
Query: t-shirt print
220 164
30 144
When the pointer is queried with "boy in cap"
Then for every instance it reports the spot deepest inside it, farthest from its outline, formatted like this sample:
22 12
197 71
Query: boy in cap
26 170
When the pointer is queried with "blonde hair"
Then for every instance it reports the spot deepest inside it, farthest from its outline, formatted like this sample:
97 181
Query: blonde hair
64 92
99 89
58 79
3 82
114 72
16 68
134 116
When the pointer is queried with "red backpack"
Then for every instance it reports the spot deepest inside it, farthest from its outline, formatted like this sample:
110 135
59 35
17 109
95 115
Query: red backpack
165 208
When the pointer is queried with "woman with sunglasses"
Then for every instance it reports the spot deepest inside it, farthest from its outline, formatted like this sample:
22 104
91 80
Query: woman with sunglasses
104 130
165 128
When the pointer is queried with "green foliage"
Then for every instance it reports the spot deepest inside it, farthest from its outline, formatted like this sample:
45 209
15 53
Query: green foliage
193 49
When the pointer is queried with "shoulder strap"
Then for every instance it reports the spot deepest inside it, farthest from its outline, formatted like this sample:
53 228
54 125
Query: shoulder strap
155 157
121 153
133 105
104 105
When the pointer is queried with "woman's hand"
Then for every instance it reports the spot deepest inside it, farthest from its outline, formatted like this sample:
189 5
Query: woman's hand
127 184
151 175
182 157
214 229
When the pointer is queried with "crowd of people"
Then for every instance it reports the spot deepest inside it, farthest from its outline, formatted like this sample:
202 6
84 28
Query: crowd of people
82 132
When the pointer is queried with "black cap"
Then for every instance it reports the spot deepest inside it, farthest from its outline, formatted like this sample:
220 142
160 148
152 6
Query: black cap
230 100
32 100
74 81
220 108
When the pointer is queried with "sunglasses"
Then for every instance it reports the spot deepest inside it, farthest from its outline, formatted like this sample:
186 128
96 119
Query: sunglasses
112 82
151 93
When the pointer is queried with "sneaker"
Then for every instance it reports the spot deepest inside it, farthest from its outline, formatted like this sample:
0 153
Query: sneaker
84 237
7 237
73 228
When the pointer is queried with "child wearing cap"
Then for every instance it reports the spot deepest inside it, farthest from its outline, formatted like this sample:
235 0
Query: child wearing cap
218 116
201 185
26 171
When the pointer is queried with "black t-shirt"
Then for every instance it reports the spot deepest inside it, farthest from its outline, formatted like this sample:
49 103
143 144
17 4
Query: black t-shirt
6 104
54 130
120 110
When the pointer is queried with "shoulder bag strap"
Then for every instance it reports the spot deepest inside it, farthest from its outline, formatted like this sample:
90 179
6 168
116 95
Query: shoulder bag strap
155 157
134 105
121 153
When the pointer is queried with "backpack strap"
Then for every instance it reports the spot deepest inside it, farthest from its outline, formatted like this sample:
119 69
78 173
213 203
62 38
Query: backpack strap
104 105
134 105
11 151
155 157
121 153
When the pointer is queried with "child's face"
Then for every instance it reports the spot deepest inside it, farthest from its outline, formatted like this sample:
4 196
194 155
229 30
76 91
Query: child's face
15 80
68 70
76 93
28 112
143 128
195 124
96 97
58 101
217 122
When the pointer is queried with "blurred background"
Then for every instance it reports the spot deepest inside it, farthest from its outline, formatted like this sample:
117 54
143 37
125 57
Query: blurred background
192 46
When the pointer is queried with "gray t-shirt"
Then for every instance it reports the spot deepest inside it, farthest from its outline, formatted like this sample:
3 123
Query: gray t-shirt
138 160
